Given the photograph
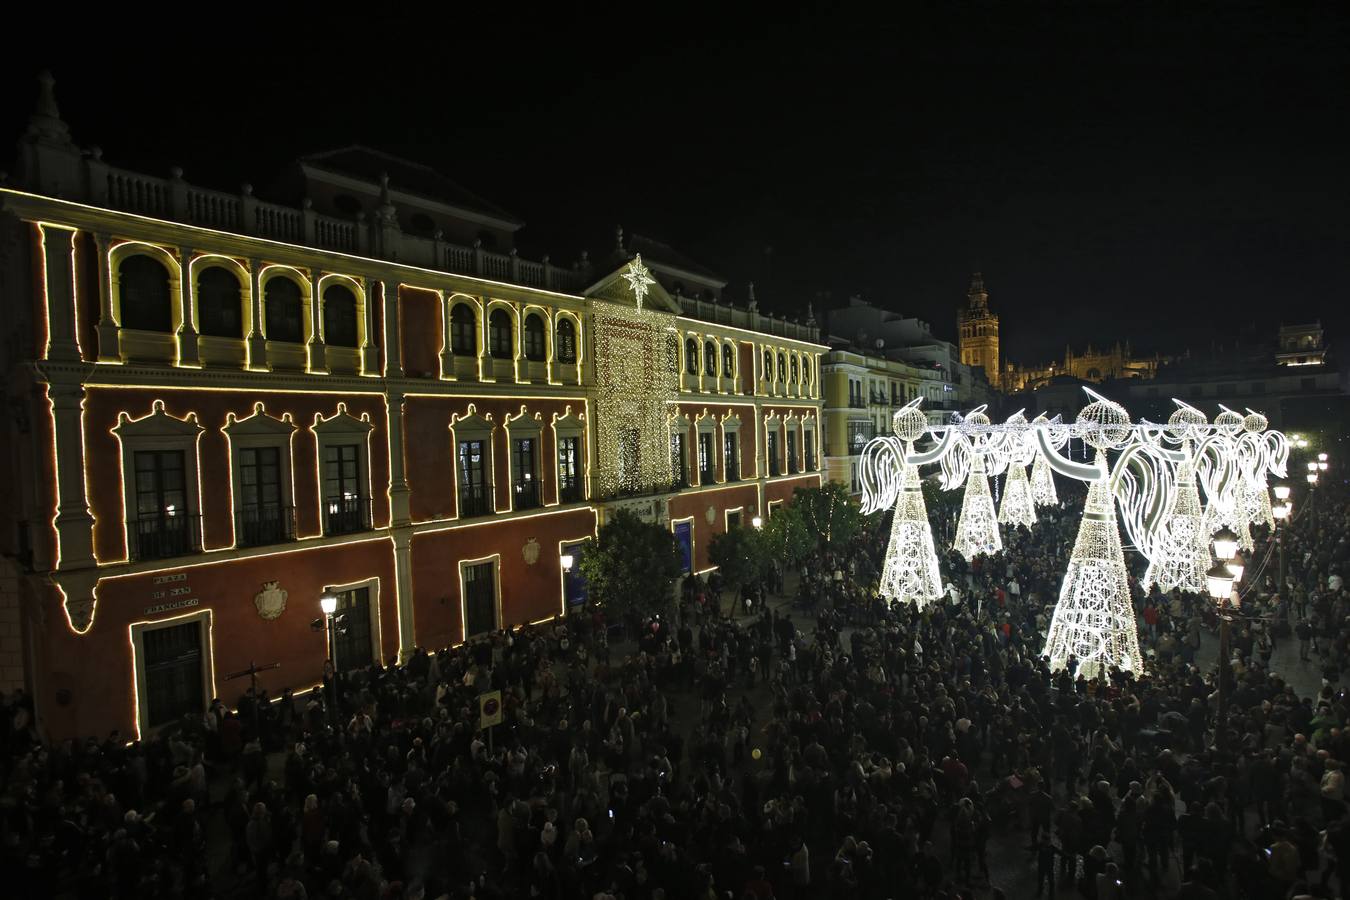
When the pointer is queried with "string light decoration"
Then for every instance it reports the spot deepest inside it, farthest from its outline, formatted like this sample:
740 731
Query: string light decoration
1093 626
910 572
977 529
1017 507
1181 556
637 375
1043 491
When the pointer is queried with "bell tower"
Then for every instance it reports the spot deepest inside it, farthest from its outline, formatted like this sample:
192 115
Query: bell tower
977 328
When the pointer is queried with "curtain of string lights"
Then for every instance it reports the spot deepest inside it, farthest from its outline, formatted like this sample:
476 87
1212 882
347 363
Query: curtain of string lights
1171 486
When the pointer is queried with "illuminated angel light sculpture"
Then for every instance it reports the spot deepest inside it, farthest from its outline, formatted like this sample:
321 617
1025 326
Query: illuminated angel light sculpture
977 529
1252 456
1152 476
1226 505
1017 507
910 572
1043 491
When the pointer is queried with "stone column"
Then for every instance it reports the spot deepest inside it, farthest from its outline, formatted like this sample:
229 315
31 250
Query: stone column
58 245
398 479
257 341
187 332
407 631
318 353
393 352
370 351
74 524
109 343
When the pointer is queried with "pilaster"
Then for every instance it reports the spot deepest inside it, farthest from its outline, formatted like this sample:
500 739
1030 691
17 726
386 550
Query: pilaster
187 331
58 272
74 524
393 353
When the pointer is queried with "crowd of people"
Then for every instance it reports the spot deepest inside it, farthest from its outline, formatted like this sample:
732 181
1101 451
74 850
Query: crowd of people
853 750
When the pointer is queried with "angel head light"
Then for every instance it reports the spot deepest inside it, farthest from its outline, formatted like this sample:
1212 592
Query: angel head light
1254 422
1103 423
1185 422
977 418
1228 422
909 423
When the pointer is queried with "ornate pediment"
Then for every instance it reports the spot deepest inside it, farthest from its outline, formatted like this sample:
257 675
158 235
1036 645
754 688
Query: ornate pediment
157 425
259 424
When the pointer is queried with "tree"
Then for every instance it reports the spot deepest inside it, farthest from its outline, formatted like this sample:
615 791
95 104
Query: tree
631 566
830 516
786 537
741 555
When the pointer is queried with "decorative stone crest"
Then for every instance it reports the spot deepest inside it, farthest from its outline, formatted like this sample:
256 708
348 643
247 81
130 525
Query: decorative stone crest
530 552
711 515
270 601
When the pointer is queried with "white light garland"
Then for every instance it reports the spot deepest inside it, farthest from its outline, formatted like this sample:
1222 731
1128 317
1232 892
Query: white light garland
977 529
1043 483
1017 507
1182 553
910 573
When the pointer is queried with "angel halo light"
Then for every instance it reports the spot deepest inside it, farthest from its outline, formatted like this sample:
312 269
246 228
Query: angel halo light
1164 489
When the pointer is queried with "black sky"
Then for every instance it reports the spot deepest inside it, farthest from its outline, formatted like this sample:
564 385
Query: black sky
1175 174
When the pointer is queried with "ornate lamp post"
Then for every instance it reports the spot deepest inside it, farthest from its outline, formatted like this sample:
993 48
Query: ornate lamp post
1282 511
328 603
1220 580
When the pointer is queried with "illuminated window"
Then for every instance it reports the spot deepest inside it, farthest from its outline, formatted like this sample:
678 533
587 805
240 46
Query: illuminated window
144 291
806 371
768 366
710 359
219 303
772 445
706 460
782 368
524 472
164 524
794 368
346 508
534 338
283 311
339 316
566 340
499 334
569 465
691 356
260 510
475 490
728 363
463 331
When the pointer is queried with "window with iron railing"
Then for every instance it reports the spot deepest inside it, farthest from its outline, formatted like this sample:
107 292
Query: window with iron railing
346 508
731 460
525 482
475 491
569 464
164 526
706 463
772 446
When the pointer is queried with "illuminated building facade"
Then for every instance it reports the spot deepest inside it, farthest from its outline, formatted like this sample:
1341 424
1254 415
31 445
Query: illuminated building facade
1092 365
224 407
977 328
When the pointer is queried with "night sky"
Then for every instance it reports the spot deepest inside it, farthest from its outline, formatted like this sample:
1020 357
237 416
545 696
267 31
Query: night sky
1114 170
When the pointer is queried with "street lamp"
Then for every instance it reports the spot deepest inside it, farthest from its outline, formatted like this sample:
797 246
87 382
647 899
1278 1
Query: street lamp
1312 478
1282 492
328 602
1236 566
1321 457
1225 544
757 522
567 562
1281 513
1322 466
1220 579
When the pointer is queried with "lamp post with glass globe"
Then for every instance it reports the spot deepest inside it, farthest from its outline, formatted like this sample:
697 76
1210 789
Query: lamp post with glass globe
1220 580
1282 511
328 602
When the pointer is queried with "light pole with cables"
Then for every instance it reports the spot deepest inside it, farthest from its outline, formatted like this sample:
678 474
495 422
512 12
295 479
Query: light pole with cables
1220 580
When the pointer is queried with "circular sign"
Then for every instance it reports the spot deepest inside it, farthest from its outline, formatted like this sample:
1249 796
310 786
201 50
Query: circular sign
490 706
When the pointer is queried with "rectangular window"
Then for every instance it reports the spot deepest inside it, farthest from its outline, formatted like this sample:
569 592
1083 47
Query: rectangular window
351 626
163 525
260 516
569 462
772 444
480 599
733 519
347 510
792 452
475 492
705 458
858 436
731 460
678 466
173 672
810 439
524 482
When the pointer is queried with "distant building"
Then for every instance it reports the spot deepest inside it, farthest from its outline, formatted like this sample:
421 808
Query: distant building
1091 365
978 330
1301 345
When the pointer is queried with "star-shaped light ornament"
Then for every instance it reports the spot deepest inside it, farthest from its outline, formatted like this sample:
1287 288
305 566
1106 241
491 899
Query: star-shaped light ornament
639 279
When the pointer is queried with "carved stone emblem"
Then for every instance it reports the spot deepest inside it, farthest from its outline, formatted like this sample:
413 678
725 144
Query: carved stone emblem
710 515
530 552
271 601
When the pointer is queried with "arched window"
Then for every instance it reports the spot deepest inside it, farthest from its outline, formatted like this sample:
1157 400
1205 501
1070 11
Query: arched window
219 305
806 371
339 316
710 359
499 334
768 366
283 311
794 368
691 356
534 338
782 368
566 340
145 294
463 331
728 364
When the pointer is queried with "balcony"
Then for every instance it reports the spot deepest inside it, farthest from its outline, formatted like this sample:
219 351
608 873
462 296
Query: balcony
257 525
707 476
166 534
774 468
856 403
526 494
733 472
346 515
570 493
475 501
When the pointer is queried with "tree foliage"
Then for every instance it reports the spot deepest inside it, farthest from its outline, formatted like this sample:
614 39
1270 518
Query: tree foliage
786 538
830 516
631 566
741 555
